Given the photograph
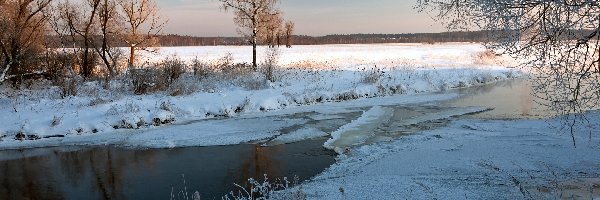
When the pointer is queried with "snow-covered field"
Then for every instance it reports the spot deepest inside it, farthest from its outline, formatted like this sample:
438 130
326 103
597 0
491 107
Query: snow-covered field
348 57
307 75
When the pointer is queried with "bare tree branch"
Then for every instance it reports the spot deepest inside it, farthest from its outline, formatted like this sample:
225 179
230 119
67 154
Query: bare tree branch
556 40
143 24
22 28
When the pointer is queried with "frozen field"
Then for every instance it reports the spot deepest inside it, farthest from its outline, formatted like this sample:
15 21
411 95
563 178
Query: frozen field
348 57
307 75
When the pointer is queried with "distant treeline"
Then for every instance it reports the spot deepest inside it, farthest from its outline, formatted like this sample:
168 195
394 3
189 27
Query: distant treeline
182 40
474 36
478 36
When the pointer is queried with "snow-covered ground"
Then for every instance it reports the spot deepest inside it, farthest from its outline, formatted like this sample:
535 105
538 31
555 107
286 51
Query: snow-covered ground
471 159
347 57
307 75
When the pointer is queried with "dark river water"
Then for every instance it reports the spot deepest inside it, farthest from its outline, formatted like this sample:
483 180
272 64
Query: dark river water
118 173
113 173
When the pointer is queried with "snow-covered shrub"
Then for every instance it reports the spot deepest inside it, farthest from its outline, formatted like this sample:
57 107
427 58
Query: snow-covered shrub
90 89
236 70
97 101
271 59
156 77
163 117
184 85
201 69
348 95
251 81
172 68
225 72
130 121
128 107
21 134
485 78
143 81
56 63
166 106
68 85
371 76
224 61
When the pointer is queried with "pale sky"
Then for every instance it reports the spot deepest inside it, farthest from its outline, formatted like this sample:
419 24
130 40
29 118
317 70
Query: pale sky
312 17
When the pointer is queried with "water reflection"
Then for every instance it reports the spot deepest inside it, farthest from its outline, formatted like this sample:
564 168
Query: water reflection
112 173
510 100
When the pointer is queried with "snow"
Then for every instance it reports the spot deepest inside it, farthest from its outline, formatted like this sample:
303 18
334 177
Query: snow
299 135
359 130
473 159
308 75
344 57
259 127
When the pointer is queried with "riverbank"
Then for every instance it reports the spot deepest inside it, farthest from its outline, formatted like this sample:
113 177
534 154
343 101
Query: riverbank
36 116
471 159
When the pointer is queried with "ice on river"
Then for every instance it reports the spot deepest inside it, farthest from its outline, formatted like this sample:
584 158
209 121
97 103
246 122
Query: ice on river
362 129
359 130
298 135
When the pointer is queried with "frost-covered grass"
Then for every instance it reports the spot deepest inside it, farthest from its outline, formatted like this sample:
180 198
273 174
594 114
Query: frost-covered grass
267 189
306 75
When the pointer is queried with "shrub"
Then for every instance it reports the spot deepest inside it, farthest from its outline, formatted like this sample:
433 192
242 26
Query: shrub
143 80
68 85
172 69
185 85
200 69
157 77
271 59
372 76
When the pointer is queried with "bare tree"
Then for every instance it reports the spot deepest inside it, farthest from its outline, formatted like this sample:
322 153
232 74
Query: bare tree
271 29
22 29
289 32
252 16
557 40
143 25
109 35
81 20
93 29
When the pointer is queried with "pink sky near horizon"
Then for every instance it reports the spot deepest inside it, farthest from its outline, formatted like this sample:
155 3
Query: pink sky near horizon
312 17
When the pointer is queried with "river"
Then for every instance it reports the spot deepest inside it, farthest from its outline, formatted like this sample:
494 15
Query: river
111 172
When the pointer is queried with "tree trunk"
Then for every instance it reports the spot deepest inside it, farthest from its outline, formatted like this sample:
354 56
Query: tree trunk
254 57
4 75
85 70
131 56
254 35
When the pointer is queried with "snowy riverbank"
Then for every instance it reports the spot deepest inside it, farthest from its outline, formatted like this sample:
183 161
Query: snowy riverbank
471 159
308 75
